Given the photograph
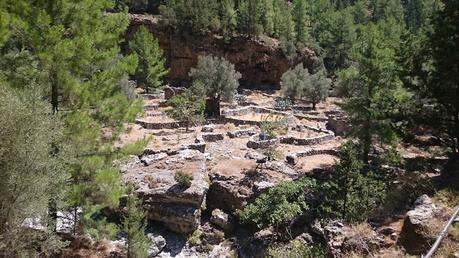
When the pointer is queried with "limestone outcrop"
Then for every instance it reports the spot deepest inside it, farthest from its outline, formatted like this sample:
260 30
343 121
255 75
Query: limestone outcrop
164 199
414 236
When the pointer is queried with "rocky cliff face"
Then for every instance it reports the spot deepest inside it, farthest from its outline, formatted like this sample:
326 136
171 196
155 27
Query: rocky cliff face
260 61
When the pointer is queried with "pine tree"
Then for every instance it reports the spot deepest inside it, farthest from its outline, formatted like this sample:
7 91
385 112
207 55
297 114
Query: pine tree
220 78
336 37
268 17
70 50
349 194
133 225
250 17
374 92
301 20
228 17
150 67
443 85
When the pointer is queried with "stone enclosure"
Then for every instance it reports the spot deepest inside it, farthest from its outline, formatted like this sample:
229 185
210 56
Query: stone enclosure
221 156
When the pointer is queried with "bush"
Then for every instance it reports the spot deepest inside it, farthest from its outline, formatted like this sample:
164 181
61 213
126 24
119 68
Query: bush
280 206
282 104
271 127
297 249
184 179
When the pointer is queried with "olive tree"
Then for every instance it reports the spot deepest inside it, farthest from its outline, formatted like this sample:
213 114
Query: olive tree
219 78
298 83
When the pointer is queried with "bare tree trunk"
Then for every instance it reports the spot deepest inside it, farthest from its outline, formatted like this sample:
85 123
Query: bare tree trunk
456 130
54 93
366 141
344 211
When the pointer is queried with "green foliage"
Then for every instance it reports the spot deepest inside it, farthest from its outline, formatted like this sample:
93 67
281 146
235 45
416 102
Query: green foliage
271 124
196 16
133 224
374 92
69 53
298 249
281 205
218 77
32 172
297 83
188 106
443 84
352 194
228 17
336 36
293 82
317 88
150 68
183 178
300 17
272 153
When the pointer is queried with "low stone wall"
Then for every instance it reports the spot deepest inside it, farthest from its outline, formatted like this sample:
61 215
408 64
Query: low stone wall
255 142
242 133
212 137
230 116
312 118
293 158
252 109
170 92
160 125
338 124
328 135
306 141
238 122
199 146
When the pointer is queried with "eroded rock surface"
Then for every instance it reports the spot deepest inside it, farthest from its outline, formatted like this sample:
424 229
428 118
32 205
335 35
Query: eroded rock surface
413 236
165 200
261 62
236 182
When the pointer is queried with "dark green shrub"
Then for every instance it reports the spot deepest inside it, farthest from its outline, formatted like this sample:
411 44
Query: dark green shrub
280 206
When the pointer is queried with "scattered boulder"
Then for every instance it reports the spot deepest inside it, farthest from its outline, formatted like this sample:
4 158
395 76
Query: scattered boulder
148 160
341 238
234 183
254 155
211 235
222 220
207 129
170 92
128 163
158 243
413 236
265 236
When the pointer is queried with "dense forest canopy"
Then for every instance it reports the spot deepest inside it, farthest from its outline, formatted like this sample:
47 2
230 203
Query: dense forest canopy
67 92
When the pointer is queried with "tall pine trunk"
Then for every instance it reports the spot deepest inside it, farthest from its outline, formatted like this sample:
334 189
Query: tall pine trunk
54 93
